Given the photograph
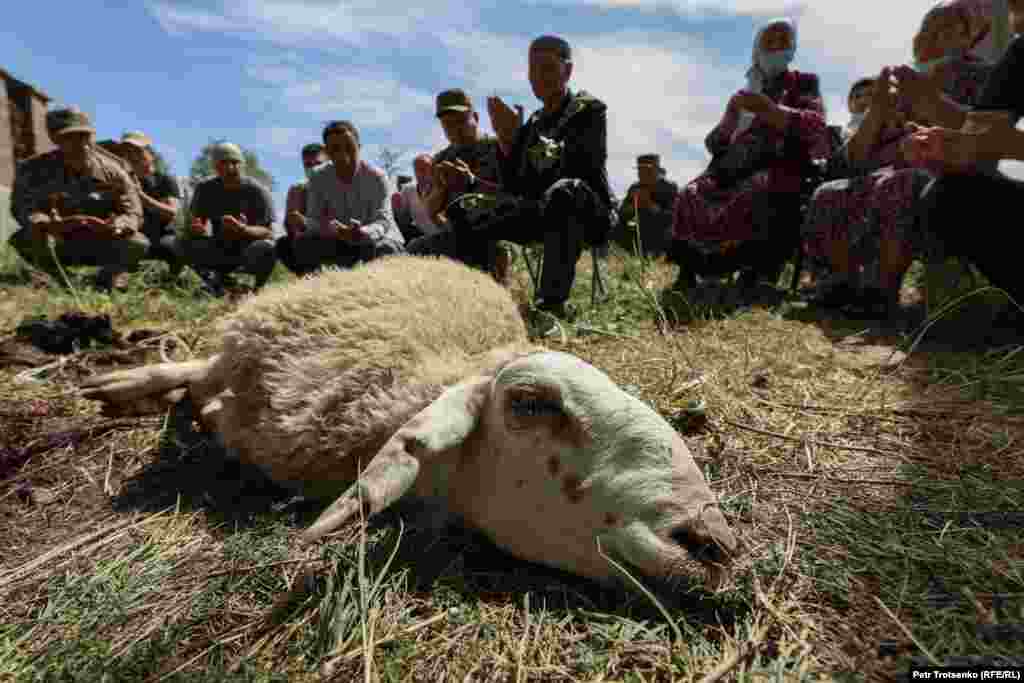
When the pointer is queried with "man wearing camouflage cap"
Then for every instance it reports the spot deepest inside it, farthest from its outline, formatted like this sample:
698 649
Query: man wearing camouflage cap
231 223
468 164
81 199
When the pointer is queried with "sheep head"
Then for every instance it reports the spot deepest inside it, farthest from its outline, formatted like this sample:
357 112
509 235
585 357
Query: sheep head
557 465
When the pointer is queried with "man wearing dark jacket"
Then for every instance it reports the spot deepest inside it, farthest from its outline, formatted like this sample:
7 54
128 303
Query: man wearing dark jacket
554 182
645 216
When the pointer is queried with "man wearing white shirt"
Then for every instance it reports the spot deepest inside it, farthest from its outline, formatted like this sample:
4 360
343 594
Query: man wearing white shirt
414 196
349 217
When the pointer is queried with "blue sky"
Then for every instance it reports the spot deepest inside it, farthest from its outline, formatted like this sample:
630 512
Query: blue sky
268 73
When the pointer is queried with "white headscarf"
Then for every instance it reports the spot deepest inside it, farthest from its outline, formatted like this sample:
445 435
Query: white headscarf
756 74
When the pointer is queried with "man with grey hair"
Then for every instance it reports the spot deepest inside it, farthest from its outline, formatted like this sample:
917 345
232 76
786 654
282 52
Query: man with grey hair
231 223
554 184
350 219
80 199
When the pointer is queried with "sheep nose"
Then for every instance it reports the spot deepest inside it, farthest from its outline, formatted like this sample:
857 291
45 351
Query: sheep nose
702 547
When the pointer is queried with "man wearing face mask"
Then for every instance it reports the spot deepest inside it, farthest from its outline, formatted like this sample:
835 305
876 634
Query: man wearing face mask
313 157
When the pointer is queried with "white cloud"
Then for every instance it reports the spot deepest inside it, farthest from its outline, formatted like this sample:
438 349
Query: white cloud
307 24
665 91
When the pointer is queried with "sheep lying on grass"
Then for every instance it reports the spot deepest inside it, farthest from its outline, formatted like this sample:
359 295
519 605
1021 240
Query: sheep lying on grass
416 373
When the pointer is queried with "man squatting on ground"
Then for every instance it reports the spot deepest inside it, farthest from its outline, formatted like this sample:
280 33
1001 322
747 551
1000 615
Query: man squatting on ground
349 202
160 197
231 223
296 206
82 199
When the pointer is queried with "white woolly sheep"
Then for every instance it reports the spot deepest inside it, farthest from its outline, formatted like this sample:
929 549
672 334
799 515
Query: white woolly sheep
417 373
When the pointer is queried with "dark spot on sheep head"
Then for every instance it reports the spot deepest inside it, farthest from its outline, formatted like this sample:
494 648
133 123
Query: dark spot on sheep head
572 487
611 519
538 406
554 464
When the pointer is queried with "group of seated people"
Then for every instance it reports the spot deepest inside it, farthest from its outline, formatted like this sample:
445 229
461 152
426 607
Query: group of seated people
538 180
880 202
921 147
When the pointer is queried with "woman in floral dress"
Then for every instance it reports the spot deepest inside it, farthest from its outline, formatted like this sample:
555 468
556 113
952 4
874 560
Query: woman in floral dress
864 227
760 152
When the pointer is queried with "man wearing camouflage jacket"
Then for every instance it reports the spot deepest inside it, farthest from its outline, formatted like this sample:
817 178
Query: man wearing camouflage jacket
80 198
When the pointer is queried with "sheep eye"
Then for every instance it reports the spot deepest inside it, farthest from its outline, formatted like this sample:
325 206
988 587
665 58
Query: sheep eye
532 407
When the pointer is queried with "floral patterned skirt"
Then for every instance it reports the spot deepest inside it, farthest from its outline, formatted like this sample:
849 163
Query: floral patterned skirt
863 212
712 219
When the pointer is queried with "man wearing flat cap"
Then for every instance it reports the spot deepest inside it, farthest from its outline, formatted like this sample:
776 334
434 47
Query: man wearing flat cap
468 164
160 197
231 223
554 182
645 215
80 198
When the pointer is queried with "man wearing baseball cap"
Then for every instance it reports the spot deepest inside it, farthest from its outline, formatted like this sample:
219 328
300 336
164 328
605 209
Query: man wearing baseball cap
469 164
160 196
81 199
645 215
231 223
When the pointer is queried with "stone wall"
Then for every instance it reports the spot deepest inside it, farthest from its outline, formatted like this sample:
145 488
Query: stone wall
22 135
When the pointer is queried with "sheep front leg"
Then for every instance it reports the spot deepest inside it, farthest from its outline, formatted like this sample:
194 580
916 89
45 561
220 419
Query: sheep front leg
148 389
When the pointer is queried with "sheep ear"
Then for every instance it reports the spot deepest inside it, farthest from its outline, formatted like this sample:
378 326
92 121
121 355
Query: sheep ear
440 427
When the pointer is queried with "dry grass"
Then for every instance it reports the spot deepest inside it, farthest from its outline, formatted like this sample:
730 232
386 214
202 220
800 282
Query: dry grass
880 508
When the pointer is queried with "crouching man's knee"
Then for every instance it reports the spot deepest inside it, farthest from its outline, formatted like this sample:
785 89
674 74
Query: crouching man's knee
388 247
259 260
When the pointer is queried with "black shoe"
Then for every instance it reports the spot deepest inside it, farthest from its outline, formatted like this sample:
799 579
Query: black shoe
555 308
872 304
833 293
213 283
685 282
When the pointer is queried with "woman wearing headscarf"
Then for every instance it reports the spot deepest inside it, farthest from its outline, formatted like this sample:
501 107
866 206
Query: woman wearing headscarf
864 227
760 149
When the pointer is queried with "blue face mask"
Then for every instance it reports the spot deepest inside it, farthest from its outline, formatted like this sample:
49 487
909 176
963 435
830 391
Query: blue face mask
931 65
774 62
311 171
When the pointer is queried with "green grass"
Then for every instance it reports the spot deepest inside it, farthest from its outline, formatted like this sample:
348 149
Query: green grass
837 538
